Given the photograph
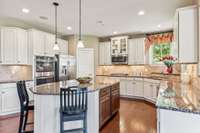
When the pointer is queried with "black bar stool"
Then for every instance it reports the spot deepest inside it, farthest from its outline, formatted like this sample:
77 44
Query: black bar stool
25 107
73 107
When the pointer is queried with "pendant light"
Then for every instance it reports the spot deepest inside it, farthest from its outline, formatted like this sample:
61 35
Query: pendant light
80 42
56 47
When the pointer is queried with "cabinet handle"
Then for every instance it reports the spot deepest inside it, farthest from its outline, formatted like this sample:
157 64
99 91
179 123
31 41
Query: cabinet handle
133 83
3 92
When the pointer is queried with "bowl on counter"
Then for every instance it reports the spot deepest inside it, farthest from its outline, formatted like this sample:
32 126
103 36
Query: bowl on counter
84 80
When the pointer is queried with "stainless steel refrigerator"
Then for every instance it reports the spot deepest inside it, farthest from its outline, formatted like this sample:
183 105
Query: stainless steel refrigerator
65 68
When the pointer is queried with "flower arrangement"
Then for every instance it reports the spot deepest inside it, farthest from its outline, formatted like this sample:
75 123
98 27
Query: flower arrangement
169 61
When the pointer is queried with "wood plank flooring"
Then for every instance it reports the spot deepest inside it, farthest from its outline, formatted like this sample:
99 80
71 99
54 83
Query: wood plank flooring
133 117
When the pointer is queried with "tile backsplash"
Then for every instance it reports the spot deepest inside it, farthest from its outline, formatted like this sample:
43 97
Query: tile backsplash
14 73
134 70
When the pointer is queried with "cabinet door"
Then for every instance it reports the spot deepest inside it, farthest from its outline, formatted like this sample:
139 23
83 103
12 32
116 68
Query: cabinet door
63 45
38 38
131 85
140 51
10 101
85 62
107 55
188 42
155 92
22 46
49 42
101 53
138 90
132 52
148 90
123 87
8 45
104 105
115 98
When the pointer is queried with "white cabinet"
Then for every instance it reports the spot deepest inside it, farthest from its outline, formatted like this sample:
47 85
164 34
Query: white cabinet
151 89
63 45
8 45
42 43
9 99
136 51
104 53
138 90
22 46
123 83
177 122
38 42
85 62
49 43
119 45
131 85
187 34
13 46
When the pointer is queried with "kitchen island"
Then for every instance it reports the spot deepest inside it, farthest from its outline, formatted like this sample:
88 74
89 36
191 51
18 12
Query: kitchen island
178 108
47 104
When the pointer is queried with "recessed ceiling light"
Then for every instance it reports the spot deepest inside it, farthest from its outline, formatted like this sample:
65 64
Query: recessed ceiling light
159 26
69 28
25 10
141 13
115 32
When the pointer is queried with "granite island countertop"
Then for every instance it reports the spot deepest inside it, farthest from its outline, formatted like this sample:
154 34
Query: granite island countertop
54 88
178 96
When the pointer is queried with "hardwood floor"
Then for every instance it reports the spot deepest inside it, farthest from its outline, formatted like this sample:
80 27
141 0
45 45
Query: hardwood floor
133 117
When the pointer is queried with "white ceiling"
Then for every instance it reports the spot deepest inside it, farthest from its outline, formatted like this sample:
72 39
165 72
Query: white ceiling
117 15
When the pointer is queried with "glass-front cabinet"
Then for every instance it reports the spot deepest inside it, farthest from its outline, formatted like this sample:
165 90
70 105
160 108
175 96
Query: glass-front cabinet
119 45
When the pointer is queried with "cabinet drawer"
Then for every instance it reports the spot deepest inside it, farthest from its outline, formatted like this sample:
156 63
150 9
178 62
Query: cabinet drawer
105 92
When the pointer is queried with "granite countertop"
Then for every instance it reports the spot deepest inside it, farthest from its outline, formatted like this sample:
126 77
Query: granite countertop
54 88
149 76
178 96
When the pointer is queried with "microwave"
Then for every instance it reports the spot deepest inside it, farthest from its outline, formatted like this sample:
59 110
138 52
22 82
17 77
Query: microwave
119 59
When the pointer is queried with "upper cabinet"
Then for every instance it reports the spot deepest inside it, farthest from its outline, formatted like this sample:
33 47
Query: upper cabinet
63 45
136 51
42 43
13 46
119 45
186 34
104 53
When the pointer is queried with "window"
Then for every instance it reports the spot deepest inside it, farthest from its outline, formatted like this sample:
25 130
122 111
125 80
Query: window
159 51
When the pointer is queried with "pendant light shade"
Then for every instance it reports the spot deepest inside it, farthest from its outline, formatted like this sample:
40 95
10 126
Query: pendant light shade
56 47
80 42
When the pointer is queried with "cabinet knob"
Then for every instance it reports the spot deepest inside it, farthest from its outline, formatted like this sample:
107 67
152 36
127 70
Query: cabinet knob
0 61
3 92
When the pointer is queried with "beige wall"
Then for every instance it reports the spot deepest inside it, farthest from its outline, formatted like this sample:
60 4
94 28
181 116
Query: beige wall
89 42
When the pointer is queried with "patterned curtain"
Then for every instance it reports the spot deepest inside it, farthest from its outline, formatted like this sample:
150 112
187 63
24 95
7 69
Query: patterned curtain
158 39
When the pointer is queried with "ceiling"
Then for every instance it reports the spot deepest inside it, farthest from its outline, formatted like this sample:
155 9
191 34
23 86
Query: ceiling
100 17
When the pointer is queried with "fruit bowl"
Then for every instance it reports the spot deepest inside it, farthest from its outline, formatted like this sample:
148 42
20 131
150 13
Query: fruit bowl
84 80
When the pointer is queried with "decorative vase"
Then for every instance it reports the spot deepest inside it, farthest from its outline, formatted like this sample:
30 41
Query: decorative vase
169 69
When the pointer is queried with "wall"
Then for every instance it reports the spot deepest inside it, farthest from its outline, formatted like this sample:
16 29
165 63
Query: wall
15 73
89 42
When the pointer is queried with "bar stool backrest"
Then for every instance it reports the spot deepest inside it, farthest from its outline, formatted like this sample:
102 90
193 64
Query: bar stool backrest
73 100
23 94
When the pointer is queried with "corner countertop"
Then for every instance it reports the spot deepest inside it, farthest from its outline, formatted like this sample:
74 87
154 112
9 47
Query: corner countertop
54 88
178 96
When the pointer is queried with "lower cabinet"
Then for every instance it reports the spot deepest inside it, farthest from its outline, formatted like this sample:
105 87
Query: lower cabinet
139 88
115 103
108 103
9 99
